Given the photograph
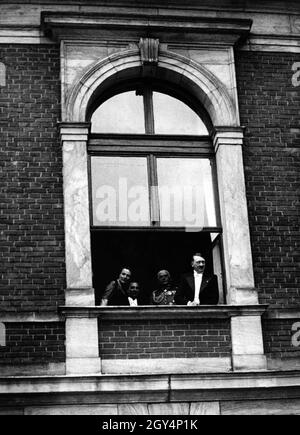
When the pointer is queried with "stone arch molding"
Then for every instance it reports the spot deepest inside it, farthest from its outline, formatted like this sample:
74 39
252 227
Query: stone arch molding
205 86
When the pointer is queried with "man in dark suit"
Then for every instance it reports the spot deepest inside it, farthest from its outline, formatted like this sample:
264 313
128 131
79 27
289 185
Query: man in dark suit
198 287
134 294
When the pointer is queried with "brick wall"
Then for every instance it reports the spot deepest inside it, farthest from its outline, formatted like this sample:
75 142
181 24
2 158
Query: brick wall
33 343
281 338
31 215
164 339
269 106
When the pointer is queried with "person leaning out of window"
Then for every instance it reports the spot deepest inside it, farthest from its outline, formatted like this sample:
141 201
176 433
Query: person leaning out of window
198 287
122 292
165 293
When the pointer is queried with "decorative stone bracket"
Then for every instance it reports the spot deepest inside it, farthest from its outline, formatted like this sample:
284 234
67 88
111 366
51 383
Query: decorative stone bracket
149 49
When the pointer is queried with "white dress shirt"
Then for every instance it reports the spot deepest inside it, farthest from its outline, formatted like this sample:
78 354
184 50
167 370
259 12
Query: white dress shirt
198 281
132 302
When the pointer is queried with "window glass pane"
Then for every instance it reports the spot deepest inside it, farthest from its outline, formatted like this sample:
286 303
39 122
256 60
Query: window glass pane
186 193
120 194
123 113
172 116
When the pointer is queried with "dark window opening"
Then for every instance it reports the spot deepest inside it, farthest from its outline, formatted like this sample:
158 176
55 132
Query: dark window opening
145 253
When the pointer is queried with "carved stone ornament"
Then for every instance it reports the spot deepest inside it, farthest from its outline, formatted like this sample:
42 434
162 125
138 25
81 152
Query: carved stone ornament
149 50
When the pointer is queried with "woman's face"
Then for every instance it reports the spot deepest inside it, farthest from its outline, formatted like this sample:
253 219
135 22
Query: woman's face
125 276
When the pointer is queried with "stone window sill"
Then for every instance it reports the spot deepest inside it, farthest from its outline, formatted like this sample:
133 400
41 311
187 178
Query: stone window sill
163 312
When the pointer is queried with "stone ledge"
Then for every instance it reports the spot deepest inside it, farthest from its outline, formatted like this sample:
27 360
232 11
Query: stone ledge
165 366
147 388
110 393
70 25
282 313
38 369
30 316
163 313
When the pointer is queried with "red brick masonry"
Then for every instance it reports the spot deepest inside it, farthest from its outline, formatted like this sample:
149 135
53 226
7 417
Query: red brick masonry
33 343
31 214
269 107
164 339
280 339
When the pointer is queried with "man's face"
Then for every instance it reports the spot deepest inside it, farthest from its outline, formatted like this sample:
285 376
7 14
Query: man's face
125 276
163 277
133 290
198 264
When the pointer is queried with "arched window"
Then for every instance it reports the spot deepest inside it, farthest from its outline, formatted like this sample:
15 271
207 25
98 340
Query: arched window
153 192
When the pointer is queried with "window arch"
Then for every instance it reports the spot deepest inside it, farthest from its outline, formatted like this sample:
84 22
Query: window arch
146 110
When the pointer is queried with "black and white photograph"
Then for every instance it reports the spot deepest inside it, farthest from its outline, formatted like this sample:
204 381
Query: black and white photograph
149 211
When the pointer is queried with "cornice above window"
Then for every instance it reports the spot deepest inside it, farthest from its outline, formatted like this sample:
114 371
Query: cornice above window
169 27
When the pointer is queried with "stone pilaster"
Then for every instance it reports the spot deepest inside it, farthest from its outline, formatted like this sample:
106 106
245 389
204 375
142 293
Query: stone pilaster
76 207
2 74
246 332
247 343
2 334
81 333
82 346
231 183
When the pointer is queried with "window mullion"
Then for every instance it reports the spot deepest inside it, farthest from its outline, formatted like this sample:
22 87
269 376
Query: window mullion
148 111
153 191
